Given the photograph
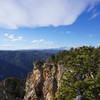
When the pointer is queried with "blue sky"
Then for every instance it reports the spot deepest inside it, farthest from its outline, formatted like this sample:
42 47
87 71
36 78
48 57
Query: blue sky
56 25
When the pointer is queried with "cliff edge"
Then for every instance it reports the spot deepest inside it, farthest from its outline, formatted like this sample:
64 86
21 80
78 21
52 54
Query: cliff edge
43 82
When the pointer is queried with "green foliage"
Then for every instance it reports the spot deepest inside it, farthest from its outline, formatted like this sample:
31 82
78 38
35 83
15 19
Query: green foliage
82 75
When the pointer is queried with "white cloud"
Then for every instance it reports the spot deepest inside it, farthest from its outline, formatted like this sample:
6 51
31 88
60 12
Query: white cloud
12 37
42 41
33 13
6 45
38 41
94 15
68 32
43 44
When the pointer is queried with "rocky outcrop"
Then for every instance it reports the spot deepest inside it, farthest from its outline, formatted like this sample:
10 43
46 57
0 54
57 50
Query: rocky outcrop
12 89
43 82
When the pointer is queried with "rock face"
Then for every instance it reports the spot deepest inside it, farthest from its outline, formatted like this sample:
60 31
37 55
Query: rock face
12 89
43 82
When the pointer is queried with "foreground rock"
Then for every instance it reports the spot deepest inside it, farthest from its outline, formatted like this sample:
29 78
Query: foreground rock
43 82
12 89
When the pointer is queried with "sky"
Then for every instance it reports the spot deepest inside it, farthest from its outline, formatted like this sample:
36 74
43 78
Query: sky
46 24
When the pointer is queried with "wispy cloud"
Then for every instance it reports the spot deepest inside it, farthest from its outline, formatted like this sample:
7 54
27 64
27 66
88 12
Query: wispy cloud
94 15
12 37
68 32
35 13
43 44
38 41
6 45
42 41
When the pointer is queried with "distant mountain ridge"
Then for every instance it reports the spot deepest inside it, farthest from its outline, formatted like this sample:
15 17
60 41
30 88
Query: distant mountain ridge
18 63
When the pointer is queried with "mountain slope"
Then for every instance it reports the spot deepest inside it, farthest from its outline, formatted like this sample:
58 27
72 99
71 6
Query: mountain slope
10 70
19 63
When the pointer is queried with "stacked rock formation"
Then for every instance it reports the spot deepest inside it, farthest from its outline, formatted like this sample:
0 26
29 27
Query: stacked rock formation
43 82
